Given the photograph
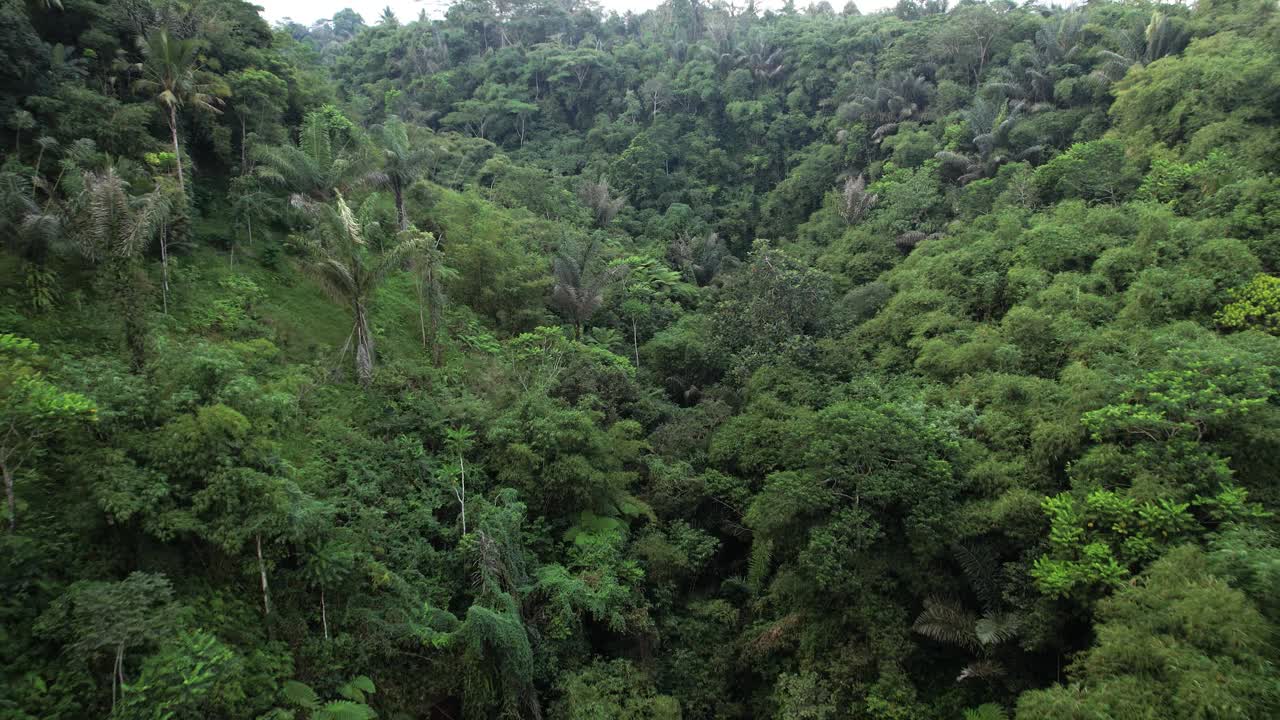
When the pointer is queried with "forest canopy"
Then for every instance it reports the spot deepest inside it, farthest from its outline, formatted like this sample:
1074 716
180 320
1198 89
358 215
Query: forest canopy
537 361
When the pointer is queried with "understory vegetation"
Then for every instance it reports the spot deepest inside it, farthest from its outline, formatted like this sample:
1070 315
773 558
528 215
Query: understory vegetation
540 362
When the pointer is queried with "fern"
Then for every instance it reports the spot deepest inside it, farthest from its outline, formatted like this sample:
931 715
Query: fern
345 710
357 689
986 711
301 695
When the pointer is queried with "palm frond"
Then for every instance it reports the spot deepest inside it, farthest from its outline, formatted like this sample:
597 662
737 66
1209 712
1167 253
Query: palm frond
997 628
946 621
981 670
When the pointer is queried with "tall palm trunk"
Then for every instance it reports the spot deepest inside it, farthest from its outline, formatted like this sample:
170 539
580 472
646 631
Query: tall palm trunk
398 191
364 344
164 266
177 153
324 615
262 574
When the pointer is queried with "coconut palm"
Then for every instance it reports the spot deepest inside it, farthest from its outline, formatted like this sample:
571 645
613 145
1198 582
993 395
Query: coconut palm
172 73
402 163
350 271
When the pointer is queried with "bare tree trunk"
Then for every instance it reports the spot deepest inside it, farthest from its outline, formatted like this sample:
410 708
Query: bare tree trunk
364 345
462 495
117 674
177 153
635 342
262 573
324 615
244 144
9 496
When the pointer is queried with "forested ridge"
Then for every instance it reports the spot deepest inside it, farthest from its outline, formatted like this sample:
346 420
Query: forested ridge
707 363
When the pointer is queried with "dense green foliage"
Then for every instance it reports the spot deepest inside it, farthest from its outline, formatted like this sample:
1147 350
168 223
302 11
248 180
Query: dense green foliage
535 362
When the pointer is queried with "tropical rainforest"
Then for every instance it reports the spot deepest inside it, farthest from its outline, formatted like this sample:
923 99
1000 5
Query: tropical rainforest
534 361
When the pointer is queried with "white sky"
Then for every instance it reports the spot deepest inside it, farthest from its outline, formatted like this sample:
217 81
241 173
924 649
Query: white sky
308 11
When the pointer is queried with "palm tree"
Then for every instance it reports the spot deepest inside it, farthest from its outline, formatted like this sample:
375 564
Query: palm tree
899 98
172 73
402 163
112 228
432 273
350 272
1141 44
992 123
599 198
947 621
326 159
580 283
855 201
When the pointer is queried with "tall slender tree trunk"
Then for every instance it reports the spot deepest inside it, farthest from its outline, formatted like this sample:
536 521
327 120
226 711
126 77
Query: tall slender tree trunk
262 574
398 191
364 345
177 153
635 342
9 495
244 145
164 266
420 285
324 615
117 674
462 494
